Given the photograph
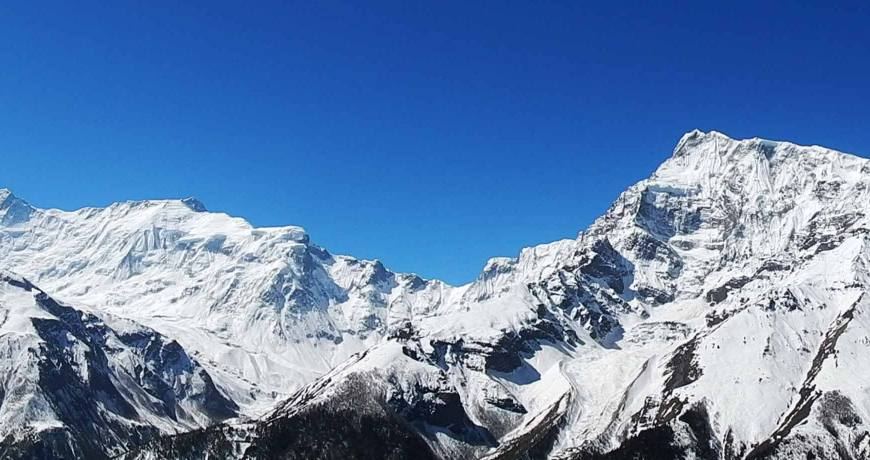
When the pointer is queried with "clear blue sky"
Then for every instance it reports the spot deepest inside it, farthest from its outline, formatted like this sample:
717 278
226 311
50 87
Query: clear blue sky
429 136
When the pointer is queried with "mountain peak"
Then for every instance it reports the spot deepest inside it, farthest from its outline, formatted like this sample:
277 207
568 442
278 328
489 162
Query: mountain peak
705 158
697 137
695 141
5 194
12 208
194 204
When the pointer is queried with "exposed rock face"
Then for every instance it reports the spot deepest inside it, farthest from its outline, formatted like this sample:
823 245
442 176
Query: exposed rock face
717 310
80 386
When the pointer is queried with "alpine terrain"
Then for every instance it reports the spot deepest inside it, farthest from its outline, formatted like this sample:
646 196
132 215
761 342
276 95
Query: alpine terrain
719 309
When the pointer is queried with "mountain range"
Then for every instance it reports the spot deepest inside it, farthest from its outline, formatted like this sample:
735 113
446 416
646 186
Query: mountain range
717 310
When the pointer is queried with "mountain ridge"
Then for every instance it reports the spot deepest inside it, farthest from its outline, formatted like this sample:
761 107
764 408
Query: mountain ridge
729 280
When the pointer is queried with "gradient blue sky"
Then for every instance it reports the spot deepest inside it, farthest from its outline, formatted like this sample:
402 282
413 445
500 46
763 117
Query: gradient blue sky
431 136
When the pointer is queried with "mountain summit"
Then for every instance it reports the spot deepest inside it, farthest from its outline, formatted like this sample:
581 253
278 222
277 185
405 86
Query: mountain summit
717 310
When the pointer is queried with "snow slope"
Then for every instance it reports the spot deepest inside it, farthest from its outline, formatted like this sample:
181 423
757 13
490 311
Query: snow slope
78 385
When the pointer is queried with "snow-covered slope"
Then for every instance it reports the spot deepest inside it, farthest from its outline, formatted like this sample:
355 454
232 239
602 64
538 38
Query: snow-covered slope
716 310
264 309
77 385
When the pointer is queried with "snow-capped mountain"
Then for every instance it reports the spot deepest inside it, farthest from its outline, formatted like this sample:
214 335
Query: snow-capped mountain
78 385
264 309
718 309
